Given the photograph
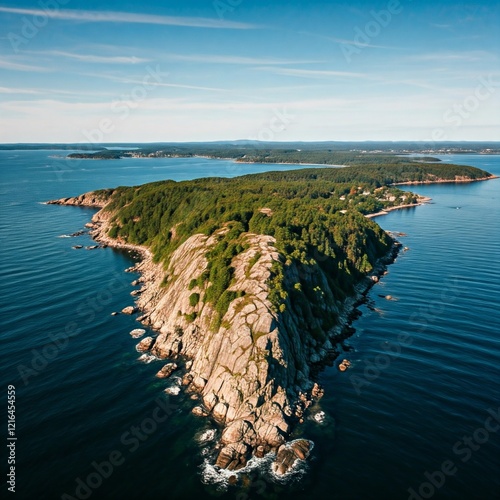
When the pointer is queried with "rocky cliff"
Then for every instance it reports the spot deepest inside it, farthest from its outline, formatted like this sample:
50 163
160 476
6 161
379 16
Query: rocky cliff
91 200
253 368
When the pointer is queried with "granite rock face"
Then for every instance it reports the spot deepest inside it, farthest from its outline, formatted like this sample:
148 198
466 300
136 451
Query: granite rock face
253 372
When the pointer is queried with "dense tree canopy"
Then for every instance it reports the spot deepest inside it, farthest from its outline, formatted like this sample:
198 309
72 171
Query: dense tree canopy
316 216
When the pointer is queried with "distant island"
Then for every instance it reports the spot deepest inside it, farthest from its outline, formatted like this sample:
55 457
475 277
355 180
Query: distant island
320 153
251 283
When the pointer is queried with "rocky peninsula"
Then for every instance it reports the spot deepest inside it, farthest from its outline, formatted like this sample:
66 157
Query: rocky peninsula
256 372
250 285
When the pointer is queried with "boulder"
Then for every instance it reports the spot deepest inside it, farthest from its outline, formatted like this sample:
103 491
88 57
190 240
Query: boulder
219 412
288 454
301 448
344 365
199 382
167 370
232 457
317 391
129 310
199 411
145 344
137 333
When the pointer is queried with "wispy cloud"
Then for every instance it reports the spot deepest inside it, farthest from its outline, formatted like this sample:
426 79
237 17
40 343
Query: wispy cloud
177 85
170 104
9 90
91 58
470 56
311 73
16 66
129 17
132 81
346 41
225 59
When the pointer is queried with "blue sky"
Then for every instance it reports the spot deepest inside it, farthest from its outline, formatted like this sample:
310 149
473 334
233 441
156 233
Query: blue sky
202 70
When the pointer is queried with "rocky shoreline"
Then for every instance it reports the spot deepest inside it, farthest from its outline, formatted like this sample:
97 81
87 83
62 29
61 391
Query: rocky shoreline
256 374
445 181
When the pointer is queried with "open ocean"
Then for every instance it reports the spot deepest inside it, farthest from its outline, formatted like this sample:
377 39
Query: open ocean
416 416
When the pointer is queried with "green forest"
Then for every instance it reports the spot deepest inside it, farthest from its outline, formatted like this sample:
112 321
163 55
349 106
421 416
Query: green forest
328 152
316 216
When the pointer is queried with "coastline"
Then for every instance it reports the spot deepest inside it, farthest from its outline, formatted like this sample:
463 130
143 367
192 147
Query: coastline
444 181
423 200
145 303
235 160
317 356
152 275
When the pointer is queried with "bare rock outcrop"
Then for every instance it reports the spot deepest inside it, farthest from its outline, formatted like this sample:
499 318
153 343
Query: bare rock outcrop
253 369
92 199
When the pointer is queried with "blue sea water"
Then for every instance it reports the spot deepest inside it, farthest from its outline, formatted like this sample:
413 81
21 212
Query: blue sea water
418 400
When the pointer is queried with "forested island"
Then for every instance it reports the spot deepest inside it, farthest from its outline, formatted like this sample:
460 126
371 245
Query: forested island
320 153
249 284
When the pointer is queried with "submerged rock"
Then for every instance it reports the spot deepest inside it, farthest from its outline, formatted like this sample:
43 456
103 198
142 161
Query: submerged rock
137 333
319 417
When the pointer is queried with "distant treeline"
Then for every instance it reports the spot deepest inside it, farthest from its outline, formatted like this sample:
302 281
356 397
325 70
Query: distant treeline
296 153
200 148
